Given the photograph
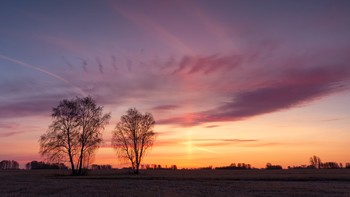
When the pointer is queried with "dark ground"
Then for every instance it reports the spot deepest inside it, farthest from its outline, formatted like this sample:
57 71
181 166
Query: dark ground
306 182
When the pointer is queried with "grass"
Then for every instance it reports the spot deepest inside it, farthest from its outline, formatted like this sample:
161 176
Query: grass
305 182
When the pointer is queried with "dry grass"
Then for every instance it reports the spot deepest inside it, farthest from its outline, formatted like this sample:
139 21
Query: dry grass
177 183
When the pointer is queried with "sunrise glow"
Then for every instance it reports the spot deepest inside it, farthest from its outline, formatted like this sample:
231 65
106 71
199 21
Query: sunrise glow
228 82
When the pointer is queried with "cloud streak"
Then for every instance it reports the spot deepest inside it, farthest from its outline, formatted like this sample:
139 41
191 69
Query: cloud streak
34 68
210 88
165 107
43 71
31 106
204 65
293 88
8 134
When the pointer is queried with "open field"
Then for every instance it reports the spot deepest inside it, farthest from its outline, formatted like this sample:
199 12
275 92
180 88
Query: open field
306 182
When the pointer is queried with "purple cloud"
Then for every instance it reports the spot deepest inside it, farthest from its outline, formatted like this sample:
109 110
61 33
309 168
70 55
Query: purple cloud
205 65
294 87
32 105
205 88
165 107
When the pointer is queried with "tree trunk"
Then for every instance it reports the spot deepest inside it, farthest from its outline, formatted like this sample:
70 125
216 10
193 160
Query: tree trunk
133 166
81 161
72 164
137 168
70 154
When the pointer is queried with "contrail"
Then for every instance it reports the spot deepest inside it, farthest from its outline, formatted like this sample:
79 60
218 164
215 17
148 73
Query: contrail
42 70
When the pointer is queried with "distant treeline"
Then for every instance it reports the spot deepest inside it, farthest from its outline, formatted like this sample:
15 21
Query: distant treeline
9 165
326 165
34 165
269 166
157 167
233 166
315 163
101 167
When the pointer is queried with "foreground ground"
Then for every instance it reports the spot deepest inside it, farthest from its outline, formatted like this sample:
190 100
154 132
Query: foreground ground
177 183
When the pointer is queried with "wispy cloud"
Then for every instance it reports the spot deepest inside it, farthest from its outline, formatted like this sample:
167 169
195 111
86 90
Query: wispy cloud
8 125
165 107
212 126
291 88
204 65
31 105
8 129
34 68
43 71
8 134
225 87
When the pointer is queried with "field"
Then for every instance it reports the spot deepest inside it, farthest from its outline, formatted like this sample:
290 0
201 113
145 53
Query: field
306 182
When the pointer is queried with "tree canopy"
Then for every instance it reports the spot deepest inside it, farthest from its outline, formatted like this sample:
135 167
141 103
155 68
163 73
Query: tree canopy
133 136
75 132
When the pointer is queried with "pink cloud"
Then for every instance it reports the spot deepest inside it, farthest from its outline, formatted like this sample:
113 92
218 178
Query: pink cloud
8 134
205 65
293 88
9 125
202 88
11 129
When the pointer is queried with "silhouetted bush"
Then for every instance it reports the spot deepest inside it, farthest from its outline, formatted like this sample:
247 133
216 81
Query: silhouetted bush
273 167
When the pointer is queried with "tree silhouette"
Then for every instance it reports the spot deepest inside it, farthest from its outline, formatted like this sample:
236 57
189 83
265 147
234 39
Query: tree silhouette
33 165
347 165
330 165
315 161
75 132
9 165
133 136
269 166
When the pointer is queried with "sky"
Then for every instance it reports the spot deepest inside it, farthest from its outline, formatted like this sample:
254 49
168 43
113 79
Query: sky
226 81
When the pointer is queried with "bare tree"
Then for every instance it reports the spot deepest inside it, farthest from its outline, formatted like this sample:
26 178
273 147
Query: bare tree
133 136
75 133
315 161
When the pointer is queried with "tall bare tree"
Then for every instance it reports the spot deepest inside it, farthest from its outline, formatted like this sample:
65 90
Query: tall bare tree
315 161
75 132
133 136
